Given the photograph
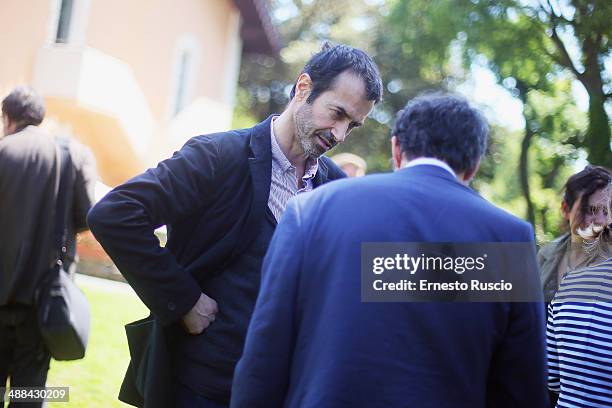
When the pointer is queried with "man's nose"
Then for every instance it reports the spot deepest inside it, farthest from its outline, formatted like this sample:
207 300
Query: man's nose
340 132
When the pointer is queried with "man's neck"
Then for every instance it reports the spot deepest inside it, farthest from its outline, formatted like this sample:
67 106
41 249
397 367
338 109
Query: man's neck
11 128
284 130
432 161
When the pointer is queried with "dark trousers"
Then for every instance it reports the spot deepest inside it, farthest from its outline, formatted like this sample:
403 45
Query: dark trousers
23 356
187 398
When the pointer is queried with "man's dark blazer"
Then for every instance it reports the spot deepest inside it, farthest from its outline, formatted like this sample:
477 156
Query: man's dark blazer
28 197
312 342
213 197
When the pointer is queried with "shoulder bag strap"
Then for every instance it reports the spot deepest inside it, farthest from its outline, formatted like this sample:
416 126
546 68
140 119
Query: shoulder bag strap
59 232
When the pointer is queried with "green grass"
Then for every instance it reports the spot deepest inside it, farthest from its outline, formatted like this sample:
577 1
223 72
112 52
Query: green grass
95 380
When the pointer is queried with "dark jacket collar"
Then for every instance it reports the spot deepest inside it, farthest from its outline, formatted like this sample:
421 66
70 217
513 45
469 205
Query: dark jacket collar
261 147
322 172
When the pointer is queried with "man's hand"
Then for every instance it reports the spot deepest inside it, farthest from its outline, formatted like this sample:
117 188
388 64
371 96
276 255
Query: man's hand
201 315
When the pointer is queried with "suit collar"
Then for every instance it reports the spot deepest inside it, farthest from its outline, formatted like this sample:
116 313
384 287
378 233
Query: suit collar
322 173
260 167
261 147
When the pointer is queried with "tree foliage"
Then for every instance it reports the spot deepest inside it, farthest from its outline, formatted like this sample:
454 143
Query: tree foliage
524 45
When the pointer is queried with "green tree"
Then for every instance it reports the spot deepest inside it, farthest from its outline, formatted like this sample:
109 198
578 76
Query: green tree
514 40
587 24
538 39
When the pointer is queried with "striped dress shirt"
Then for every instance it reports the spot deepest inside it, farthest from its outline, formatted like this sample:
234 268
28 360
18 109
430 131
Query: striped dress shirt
284 183
579 338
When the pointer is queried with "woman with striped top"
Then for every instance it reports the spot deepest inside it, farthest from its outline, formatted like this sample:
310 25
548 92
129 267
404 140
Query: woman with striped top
585 215
579 329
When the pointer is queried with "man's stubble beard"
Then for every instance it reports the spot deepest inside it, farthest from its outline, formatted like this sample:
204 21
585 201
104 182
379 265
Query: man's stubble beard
306 133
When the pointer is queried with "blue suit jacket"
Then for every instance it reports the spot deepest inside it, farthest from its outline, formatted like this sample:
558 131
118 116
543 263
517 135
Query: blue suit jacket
313 343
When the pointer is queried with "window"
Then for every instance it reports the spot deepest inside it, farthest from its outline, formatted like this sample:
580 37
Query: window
184 69
63 24
184 80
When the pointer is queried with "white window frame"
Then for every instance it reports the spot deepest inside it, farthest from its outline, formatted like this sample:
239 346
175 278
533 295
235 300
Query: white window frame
186 44
78 22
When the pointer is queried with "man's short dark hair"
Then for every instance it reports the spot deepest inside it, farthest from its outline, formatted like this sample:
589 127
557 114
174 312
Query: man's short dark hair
23 106
442 126
331 61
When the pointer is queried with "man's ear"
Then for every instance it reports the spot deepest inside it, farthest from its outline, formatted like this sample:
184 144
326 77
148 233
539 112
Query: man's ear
303 87
396 153
8 127
469 174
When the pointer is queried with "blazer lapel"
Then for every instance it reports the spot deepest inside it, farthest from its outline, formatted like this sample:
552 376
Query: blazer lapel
321 176
270 217
260 165
260 162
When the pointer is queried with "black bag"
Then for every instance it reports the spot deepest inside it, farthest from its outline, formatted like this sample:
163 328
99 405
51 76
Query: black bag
63 311
149 381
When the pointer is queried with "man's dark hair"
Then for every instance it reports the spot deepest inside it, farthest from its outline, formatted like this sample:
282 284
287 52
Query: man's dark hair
442 126
24 107
583 184
331 61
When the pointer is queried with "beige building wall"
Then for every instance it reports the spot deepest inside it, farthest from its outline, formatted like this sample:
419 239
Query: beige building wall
124 29
23 30
114 84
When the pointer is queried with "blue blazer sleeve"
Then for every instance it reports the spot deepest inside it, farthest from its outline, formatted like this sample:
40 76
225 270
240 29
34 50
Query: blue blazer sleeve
523 345
124 222
262 374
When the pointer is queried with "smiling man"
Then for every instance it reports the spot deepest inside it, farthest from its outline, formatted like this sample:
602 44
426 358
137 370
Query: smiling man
221 196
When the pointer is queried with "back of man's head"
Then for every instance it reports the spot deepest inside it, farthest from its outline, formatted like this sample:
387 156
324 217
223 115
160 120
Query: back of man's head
444 127
23 107
325 66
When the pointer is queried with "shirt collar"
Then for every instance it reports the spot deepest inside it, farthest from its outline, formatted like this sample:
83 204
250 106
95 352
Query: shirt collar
431 162
312 166
279 158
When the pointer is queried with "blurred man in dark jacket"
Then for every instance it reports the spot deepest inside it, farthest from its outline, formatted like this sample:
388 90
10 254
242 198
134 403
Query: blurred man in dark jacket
29 160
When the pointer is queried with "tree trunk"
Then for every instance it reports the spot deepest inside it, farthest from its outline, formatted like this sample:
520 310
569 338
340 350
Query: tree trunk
524 159
591 34
543 212
524 172
597 140
598 132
